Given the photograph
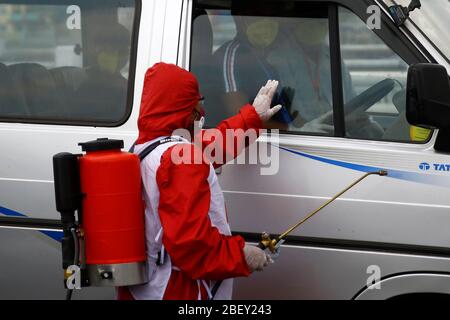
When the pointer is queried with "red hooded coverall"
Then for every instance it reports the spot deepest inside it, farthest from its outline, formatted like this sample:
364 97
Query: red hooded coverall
196 247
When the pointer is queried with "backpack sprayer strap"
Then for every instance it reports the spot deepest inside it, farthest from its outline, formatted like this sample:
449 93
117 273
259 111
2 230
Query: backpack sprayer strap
149 149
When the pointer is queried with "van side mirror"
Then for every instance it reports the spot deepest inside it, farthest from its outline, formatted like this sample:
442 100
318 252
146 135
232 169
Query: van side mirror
428 96
428 100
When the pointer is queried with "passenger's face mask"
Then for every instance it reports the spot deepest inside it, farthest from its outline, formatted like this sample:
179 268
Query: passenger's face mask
108 61
262 33
311 33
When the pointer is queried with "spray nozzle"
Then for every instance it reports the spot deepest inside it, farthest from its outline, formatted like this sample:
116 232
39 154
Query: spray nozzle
383 173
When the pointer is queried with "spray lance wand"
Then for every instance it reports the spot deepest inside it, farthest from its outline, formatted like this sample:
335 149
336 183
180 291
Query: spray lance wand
274 244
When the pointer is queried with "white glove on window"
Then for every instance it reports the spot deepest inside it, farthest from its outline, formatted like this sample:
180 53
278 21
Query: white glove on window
256 258
263 101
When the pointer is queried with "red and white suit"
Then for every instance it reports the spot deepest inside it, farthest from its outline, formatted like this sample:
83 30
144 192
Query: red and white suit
185 210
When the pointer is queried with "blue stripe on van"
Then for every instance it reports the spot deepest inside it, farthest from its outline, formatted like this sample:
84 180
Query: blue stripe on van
347 165
55 235
424 178
10 213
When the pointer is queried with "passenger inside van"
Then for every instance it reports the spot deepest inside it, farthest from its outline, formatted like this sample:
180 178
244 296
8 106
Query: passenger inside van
104 92
242 65
255 55
302 60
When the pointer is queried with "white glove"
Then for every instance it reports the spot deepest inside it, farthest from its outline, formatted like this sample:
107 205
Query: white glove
322 124
263 101
256 258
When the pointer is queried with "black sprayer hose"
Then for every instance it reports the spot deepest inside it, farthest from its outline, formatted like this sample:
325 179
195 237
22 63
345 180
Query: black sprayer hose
69 294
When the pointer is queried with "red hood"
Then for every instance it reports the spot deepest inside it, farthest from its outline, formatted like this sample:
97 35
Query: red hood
169 96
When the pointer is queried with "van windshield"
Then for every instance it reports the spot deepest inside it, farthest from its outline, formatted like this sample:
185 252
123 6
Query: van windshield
432 19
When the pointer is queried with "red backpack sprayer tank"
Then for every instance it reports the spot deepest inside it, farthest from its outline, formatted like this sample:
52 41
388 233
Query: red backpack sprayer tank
103 189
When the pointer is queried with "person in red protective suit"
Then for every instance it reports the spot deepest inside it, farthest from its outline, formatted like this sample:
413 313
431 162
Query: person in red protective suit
189 243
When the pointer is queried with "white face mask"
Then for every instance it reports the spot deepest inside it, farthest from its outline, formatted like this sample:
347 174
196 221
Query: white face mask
201 123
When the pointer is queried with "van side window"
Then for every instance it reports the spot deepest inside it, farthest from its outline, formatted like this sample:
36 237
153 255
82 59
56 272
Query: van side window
237 47
235 52
65 63
379 76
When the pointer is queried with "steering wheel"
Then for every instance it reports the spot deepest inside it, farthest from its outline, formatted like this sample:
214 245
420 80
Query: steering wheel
370 96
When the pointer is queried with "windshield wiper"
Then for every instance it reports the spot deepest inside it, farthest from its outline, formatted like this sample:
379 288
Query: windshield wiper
400 13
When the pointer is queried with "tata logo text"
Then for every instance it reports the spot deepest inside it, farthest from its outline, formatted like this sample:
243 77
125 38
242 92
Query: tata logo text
424 166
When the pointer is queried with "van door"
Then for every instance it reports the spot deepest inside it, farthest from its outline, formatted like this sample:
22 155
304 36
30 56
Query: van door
342 69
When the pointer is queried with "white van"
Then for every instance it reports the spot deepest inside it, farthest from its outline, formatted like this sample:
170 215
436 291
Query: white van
72 71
